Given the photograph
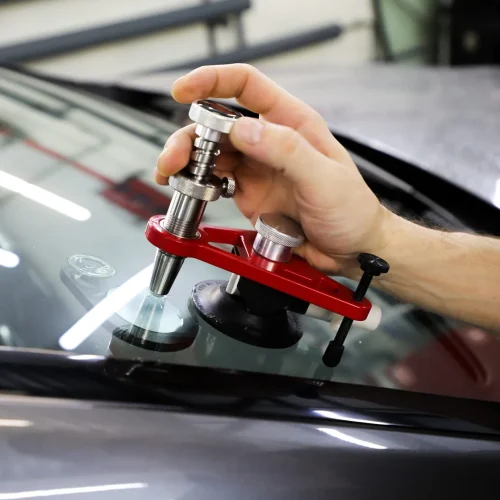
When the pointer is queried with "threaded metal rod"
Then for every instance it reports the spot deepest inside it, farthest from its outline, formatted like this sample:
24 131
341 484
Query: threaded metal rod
184 215
183 219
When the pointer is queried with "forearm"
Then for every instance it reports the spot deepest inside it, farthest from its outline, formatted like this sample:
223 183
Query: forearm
454 274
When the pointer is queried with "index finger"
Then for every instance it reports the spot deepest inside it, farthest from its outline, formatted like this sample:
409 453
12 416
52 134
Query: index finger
259 94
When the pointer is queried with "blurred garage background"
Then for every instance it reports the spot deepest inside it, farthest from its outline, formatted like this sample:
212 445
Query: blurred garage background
108 38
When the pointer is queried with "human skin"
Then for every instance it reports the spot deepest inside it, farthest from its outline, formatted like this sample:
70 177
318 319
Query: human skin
288 161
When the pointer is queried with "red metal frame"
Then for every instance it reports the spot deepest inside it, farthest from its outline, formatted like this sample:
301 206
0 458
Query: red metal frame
296 278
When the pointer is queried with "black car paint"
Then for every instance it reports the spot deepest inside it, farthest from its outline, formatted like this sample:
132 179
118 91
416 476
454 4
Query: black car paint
246 394
217 434
198 456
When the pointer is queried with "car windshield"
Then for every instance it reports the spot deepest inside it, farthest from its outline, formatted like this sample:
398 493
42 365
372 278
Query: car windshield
76 190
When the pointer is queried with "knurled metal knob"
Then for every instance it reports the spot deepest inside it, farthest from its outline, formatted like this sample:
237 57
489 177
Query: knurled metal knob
276 236
213 115
228 187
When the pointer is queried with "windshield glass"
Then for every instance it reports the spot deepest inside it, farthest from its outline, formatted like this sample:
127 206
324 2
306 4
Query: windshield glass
76 190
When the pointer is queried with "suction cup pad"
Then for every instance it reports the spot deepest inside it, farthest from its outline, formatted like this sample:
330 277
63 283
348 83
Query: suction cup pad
155 324
227 314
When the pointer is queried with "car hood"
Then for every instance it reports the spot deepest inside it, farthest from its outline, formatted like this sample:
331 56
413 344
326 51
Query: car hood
442 120
68 447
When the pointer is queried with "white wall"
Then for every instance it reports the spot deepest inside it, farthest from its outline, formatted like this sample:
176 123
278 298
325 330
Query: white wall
266 20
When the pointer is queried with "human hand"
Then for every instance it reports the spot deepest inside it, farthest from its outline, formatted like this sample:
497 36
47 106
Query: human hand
287 161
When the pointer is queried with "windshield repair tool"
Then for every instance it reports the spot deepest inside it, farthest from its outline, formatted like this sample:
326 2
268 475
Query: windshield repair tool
269 285
194 186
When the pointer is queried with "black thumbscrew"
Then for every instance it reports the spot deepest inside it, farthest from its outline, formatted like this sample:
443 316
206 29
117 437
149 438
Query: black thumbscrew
371 265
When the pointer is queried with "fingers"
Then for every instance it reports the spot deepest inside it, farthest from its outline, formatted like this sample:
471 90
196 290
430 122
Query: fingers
261 95
252 89
280 148
175 154
160 179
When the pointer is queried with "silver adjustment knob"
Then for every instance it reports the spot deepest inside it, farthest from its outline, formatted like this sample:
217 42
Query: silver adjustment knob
228 187
276 236
214 116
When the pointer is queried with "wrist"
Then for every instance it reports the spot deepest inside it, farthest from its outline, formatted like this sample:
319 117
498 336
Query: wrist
384 242
406 246
387 233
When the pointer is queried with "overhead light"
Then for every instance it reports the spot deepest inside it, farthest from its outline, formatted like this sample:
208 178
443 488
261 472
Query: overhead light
350 439
87 324
11 422
341 416
71 491
44 197
8 259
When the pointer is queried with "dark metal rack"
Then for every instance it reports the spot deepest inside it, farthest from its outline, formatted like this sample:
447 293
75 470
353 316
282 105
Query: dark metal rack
215 12
261 50
208 12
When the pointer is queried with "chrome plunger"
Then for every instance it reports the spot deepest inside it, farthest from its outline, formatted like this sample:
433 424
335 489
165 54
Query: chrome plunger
194 186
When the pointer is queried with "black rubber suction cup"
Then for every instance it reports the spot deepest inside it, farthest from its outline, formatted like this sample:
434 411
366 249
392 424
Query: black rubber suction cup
228 314
156 341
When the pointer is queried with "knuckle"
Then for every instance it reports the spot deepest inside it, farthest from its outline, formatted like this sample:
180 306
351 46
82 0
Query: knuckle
315 120
316 116
290 142
247 68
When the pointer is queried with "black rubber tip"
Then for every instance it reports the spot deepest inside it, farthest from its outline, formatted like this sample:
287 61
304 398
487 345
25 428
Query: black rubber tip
333 355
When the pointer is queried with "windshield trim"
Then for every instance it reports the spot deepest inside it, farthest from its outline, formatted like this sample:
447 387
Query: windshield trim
170 387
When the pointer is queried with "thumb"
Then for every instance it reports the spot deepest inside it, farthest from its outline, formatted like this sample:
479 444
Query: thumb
279 147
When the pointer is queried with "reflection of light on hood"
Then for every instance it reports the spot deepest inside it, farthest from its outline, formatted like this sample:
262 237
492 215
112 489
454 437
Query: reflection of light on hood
44 197
71 491
87 324
87 357
8 259
11 422
349 439
340 416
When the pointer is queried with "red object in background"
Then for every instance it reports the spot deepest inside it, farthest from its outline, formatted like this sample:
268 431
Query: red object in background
467 362
296 278
132 194
57 156
137 197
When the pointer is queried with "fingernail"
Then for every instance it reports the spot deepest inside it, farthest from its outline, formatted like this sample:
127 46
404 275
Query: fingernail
160 178
162 154
249 130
